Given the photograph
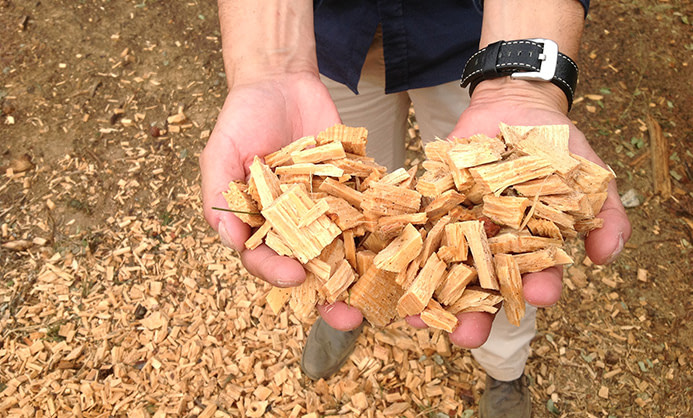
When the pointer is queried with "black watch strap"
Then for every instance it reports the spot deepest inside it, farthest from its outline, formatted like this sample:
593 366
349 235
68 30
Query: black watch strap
527 59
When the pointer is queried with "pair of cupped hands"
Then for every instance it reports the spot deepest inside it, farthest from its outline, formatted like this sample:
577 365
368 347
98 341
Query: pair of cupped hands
262 116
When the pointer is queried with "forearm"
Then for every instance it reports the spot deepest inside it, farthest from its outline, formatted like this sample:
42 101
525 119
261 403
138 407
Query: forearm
559 20
261 39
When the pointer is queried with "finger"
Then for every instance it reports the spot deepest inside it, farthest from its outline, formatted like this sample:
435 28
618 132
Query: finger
543 288
416 321
232 231
603 245
218 168
341 316
280 271
472 329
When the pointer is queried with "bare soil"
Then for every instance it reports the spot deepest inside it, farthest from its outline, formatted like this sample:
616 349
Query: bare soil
117 299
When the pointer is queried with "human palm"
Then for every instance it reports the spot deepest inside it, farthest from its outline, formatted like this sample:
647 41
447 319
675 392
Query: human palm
258 119
532 106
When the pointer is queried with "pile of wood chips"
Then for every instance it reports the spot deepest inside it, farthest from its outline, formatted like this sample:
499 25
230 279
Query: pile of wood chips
455 239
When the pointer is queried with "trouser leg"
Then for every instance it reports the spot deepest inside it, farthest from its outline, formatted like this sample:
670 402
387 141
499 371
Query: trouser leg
505 353
437 109
384 115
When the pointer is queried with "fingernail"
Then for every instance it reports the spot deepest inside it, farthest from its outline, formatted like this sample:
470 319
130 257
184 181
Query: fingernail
285 284
618 249
224 236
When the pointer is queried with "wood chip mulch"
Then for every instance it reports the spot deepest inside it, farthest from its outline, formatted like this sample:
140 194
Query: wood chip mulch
147 314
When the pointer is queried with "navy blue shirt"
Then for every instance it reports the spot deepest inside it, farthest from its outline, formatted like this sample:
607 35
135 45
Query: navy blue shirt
425 43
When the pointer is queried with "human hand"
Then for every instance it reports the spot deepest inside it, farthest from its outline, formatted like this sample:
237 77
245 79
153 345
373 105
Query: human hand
517 102
259 118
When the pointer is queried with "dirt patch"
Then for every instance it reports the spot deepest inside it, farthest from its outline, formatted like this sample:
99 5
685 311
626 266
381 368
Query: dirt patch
123 301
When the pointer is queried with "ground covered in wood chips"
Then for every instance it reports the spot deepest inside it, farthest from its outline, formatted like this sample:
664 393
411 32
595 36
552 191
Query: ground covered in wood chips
116 298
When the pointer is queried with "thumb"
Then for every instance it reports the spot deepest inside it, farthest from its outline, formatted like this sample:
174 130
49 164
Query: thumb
605 244
217 172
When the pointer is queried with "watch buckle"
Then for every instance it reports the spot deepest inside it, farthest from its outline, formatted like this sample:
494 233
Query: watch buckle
548 59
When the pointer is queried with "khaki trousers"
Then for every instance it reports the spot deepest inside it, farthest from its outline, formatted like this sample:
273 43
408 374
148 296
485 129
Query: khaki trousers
437 108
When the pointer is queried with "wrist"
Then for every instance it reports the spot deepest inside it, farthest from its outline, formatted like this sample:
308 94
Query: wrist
513 92
269 67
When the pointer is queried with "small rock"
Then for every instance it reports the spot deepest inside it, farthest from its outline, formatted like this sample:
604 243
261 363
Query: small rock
631 199
22 164
140 312
154 131
7 109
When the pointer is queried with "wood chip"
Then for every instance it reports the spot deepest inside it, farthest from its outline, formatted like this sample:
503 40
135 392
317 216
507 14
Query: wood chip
479 247
277 298
498 177
330 151
266 182
283 155
335 287
376 294
353 139
505 210
476 300
452 287
549 142
311 169
513 242
474 154
660 159
436 317
401 251
542 259
285 214
385 200
238 199
510 281
421 290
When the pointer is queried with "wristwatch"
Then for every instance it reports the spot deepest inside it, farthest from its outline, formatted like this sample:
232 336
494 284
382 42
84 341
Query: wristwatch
524 59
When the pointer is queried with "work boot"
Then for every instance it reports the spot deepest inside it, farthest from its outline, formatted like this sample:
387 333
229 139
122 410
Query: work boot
327 349
506 399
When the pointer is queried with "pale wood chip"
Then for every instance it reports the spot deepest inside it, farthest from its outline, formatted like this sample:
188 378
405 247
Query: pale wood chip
266 182
401 251
335 287
421 290
328 170
277 298
238 199
510 281
499 176
542 259
354 139
376 294
284 215
505 210
550 142
438 318
283 155
452 286
483 260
